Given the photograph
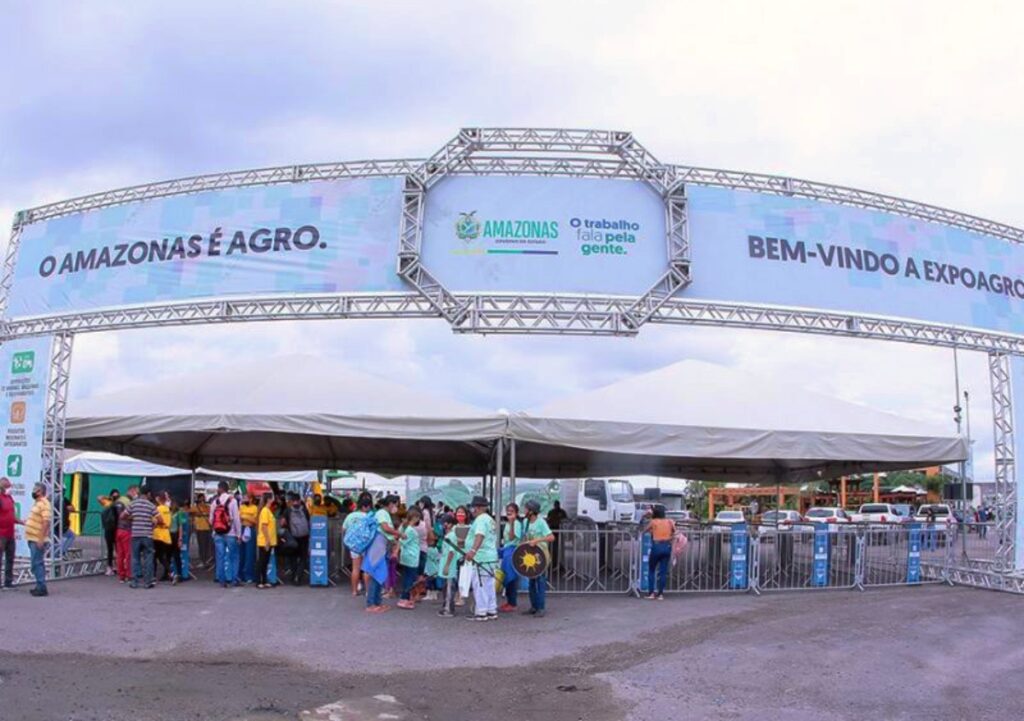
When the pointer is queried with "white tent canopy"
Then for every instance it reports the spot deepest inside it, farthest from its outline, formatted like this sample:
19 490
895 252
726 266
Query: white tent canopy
111 464
286 413
688 420
703 421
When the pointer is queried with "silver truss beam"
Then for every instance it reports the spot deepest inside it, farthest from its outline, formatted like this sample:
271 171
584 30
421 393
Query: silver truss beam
53 437
1006 466
10 260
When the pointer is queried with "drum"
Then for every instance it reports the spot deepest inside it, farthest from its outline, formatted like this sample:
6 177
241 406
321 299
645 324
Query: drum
531 561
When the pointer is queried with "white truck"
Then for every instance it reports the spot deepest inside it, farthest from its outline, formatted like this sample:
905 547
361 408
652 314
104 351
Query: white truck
877 513
601 500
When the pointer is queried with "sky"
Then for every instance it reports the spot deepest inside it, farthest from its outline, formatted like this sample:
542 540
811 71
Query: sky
891 97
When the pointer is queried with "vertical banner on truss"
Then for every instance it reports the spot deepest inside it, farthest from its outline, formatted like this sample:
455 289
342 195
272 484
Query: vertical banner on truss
1014 471
25 377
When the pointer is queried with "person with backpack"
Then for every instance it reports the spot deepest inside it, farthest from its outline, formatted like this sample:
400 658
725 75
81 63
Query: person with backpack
227 530
112 508
536 532
266 539
357 516
297 519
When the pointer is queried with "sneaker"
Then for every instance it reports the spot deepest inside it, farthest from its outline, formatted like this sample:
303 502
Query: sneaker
661 597
531 612
477 618
174 580
492 617
541 613
150 585
133 585
39 592
445 613
110 572
506 608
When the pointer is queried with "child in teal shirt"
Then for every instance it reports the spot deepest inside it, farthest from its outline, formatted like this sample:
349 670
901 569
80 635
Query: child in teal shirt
409 557
448 568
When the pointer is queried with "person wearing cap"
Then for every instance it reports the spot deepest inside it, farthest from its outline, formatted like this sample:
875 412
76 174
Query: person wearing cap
483 554
8 520
537 533
37 533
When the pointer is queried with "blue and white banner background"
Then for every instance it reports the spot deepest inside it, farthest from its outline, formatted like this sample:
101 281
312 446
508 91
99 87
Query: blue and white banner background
545 235
774 250
24 377
330 237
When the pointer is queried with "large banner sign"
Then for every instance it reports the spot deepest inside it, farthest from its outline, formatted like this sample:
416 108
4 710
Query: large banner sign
24 377
775 250
553 235
336 236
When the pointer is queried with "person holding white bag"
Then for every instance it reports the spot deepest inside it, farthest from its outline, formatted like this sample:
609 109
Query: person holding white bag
483 557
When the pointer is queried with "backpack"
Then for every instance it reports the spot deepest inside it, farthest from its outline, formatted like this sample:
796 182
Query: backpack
360 534
221 518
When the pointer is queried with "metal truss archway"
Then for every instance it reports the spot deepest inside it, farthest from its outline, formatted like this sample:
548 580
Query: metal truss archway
540 152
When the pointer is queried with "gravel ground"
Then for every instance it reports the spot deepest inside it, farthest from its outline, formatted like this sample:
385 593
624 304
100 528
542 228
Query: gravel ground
95 650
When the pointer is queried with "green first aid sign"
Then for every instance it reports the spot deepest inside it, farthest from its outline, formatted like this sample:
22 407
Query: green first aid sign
23 362
14 465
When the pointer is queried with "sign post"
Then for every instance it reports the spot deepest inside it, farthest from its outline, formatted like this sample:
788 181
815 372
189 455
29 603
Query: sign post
739 575
819 577
914 554
318 573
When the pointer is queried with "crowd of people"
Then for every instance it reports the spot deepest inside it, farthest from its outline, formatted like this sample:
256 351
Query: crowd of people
458 557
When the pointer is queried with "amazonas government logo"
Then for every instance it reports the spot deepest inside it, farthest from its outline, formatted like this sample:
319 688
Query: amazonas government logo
467 227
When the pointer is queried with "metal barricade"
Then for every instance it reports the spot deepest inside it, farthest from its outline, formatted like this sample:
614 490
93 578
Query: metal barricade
586 558
802 557
901 554
705 565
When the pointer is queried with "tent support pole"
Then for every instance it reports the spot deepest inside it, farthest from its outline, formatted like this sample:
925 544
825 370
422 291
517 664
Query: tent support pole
512 470
499 477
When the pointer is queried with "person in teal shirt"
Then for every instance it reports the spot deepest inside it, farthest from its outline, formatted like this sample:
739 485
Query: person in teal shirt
511 537
448 568
537 533
483 554
409 557
374 591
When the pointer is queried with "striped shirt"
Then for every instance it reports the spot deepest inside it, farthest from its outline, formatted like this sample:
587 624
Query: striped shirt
37 527
143 512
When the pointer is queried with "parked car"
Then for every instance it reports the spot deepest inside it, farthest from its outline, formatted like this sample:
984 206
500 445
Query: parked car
878 513
832 515
773 522
681 516
644 509
943 514
725 520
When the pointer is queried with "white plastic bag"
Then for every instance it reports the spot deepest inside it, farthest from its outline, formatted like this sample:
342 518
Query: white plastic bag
465 580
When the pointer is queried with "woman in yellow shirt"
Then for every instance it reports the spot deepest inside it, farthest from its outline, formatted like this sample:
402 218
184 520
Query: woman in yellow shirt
266 538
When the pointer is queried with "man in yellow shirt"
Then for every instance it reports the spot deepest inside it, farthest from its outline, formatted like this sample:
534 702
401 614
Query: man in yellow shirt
37 533
248 513
162 535
201 522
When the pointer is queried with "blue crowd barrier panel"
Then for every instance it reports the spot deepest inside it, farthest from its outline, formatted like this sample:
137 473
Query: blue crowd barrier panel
914 553
646 582
186 563
318 571
739 576
819 576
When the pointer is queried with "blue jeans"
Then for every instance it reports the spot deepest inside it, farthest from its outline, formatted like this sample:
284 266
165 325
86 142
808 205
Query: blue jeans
247 559
37 552
65 544
142 561
512 593
661 554
272 569
374 592
409 576
226 549
538 592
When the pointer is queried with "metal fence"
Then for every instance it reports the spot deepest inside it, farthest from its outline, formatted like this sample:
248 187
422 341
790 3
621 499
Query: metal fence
586 558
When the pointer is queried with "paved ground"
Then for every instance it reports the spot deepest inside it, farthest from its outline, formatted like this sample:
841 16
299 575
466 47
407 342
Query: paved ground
97 650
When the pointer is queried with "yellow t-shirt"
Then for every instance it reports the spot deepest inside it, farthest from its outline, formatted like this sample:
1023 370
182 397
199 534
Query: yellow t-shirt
201 516
163 533
266 536
247 513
